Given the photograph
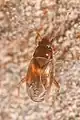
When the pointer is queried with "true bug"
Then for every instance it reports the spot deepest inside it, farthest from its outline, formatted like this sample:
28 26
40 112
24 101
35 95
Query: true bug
40 78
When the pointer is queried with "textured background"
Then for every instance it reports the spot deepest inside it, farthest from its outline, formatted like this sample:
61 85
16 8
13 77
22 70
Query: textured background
59 19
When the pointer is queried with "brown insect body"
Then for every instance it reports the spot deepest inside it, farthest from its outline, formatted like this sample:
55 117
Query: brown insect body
39 76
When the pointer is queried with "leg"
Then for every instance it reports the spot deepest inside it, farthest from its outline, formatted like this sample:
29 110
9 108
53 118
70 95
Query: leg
53 74
56 83
53 65
19 84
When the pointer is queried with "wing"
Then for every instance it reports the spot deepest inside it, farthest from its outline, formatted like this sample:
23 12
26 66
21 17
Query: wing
47 76
49 82
39 80
35 88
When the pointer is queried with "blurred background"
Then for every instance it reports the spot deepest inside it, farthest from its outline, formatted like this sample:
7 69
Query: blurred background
59 19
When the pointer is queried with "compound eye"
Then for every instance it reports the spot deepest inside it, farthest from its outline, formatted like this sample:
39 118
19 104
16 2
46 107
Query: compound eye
48 46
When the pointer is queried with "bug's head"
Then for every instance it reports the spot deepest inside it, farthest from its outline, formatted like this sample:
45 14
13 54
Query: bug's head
45 41
44 49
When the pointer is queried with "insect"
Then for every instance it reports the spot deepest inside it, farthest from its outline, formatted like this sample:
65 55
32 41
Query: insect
39 77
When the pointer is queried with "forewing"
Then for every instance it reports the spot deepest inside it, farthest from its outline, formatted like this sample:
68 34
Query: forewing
49 82
40 80
34 85
46 75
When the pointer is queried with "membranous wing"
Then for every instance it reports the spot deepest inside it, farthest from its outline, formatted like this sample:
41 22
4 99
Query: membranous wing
38 78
